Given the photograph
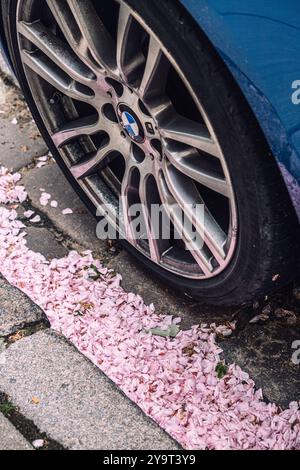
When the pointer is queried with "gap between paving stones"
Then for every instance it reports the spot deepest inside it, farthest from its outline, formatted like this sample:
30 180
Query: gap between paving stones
25 426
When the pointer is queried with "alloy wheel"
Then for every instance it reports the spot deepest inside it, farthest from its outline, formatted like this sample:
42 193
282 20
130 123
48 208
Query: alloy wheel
128 125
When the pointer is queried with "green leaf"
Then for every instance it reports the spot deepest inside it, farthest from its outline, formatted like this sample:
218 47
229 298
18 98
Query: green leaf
221 370
97 274
171 332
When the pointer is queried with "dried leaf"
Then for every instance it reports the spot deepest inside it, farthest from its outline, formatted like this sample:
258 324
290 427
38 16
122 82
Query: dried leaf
189 350
287 315
35 400
260 318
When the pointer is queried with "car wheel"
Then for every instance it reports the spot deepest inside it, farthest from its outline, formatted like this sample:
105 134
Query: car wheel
137 107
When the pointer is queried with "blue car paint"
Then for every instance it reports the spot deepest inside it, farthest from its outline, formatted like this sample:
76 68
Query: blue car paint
259 40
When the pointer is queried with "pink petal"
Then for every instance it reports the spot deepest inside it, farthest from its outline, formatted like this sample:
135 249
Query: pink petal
36 219
67 212
28 214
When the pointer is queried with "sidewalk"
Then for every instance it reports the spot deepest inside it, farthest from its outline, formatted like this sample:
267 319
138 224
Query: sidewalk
68 399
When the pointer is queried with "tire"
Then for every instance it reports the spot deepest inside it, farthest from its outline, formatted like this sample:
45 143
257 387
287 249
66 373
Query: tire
268 233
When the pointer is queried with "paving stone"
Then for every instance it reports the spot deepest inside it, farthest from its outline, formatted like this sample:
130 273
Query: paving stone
43 241
16 310
10 438
20 143
17 149
81 225
78 406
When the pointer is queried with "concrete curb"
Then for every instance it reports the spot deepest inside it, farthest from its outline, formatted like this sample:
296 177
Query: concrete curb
17 311
70 400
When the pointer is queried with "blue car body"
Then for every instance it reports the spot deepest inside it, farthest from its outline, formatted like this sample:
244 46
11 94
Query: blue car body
260 43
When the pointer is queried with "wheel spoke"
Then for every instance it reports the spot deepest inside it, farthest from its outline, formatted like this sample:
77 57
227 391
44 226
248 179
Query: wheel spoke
95 36
187 197
70 29
94 163
99 159
129 56
125 19
125 192
57 51
37 62
194 246
155 74
156 245
188 132
84 32
76 129
192 165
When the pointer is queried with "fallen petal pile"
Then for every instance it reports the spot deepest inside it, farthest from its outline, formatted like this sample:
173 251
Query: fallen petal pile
10 191
173 379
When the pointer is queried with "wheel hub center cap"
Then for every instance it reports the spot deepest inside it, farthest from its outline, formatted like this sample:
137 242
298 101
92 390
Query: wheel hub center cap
131 123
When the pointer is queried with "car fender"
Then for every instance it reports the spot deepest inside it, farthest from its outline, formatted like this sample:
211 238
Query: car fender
260 44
